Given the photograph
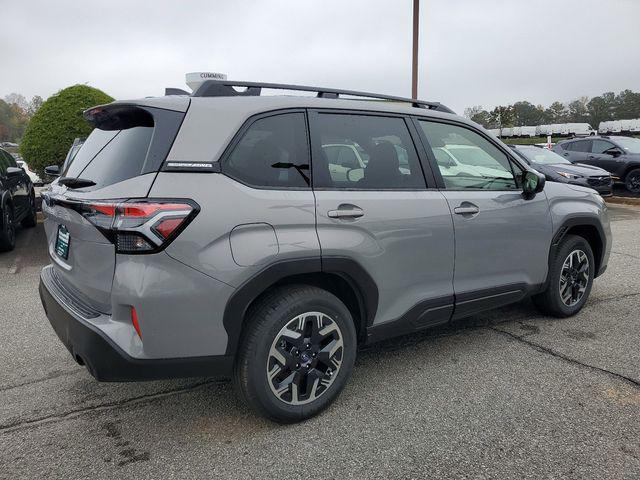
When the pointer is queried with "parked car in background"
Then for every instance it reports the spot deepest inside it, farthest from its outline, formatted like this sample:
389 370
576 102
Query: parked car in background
71 154
618 155
17 200
35 178
558 169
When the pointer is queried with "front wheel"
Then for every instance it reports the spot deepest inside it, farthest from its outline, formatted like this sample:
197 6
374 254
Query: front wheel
632 181
297 354
571 275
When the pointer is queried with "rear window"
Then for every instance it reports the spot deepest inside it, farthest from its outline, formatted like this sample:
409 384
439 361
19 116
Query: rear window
109 157
124 144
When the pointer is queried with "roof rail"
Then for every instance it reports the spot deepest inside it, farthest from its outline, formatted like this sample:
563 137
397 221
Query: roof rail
224 88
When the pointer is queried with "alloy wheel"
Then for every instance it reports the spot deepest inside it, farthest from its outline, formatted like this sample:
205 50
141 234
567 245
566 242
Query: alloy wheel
633 182
305 358
574 278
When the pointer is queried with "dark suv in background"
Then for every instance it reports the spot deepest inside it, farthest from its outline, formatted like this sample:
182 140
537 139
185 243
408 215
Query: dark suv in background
618 155
17 200
558 169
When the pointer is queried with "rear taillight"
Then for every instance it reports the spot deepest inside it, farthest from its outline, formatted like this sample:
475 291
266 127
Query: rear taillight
139 226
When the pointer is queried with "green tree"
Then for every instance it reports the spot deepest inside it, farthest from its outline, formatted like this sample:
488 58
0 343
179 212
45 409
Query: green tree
526 113
57 122
13 121
502 116
599 111
479 115
556 113
578 111
34 105
627 105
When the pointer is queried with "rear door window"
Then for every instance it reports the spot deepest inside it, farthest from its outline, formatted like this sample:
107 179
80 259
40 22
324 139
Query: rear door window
364 152
581 146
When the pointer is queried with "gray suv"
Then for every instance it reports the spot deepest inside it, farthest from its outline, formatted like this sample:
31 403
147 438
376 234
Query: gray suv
211 235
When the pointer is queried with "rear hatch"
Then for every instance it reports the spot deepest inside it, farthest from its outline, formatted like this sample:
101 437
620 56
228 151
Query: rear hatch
116 166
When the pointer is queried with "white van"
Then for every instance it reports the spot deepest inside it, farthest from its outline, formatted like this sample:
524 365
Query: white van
559 129
580 129
528 131
543 130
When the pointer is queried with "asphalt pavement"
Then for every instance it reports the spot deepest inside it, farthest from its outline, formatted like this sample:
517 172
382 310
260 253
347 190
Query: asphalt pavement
506 394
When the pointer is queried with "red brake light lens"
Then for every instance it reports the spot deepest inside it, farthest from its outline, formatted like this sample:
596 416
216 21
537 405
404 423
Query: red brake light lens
140 226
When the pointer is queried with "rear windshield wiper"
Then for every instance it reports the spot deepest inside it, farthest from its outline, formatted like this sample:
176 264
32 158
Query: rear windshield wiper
73 182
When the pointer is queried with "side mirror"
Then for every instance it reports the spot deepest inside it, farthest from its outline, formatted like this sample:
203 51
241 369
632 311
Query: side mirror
614 152
52 170
14 171
532 183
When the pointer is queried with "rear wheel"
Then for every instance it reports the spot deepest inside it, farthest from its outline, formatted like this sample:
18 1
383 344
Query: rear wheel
632 181
297 354
8 230
31 220
570 278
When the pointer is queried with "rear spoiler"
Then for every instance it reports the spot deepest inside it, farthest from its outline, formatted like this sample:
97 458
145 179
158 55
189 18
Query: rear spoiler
118 117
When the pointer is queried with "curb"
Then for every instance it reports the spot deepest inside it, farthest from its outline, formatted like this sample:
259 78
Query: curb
623 200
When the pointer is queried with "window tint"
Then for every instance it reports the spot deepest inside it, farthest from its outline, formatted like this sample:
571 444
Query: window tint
601 146
467 160
121 158
581 146
364 152
272 153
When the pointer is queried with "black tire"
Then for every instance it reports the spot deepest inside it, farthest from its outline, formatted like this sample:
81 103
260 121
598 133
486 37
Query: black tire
632 181
550 302
7 229
31 220
266 320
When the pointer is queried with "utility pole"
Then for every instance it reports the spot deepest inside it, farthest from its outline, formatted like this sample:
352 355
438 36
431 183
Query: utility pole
414 67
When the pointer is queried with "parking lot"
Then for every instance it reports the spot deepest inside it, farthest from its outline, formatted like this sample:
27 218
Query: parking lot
506 394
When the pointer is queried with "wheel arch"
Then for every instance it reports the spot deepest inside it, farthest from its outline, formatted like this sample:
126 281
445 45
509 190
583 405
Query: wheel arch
588 228
630 168
342 276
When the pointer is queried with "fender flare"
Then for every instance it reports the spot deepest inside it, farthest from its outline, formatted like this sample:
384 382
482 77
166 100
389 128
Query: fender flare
348 269
578 221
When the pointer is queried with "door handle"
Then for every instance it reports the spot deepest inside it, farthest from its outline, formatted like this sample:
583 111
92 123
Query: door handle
466 208
566 154
346 211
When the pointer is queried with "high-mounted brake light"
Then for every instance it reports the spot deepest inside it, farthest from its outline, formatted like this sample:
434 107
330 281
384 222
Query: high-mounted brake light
139 226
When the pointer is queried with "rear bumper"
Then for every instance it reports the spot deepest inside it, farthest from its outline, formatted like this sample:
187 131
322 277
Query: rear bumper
109 363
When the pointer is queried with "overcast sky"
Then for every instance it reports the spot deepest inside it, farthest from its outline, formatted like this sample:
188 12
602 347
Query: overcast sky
472 52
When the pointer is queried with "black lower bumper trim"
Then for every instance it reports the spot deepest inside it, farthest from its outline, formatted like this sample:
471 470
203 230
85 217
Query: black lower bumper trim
109 363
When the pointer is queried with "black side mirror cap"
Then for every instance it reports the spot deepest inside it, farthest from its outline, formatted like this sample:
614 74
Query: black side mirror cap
532 183
52 170
14 171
